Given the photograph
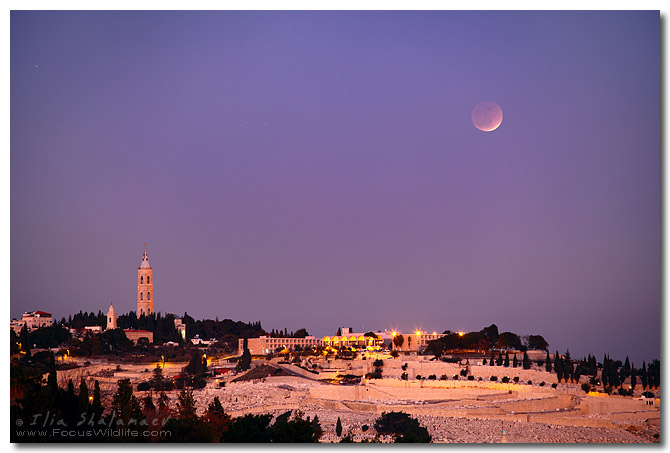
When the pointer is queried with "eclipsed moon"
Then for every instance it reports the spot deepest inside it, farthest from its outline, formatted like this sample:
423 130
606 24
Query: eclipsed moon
487 116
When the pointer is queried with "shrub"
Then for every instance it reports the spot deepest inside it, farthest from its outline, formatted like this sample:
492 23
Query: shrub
494 378
529 382
505 380
649 395
403 376
404 367
624 392
479 378
455 377
516 379
364 428
418 376
464 372
402 427
198 383
542 384
374 375
554 385
586 388
143 386
443 377
432 377
378 363
471 378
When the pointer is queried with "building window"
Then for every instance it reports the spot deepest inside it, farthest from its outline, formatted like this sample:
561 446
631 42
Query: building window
148 295
141 296
141 279
148 279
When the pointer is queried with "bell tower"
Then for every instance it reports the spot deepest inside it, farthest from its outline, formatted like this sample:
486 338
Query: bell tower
111 318
145 286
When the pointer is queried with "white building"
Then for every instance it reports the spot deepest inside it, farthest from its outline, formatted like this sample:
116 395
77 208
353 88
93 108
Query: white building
180 326
111 318
265 344
32 320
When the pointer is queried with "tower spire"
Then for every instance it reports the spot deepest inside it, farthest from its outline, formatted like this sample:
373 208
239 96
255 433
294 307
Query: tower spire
145 286
145 259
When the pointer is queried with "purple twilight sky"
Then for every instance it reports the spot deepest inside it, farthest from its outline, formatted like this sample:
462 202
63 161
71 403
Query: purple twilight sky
321 169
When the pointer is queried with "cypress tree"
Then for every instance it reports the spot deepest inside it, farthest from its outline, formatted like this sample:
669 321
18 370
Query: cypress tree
643 376
526 361
338 427
633 377
558 366
499 360
506 359
515 362
492 359
52 381
96 405
547 363
83 396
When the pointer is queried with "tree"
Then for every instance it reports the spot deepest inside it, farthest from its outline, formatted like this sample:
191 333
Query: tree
163 402
96 404
538 342
435 347
338 427
124 404
643 375
248 429
158 381
558 366
197 366
490 334
509 340
217 418
189 430
148 404
492 359
402 427
301 333
84 403
506 363
526 361
515 362
499 360
547 363
245 360
295 430
398 340
186 404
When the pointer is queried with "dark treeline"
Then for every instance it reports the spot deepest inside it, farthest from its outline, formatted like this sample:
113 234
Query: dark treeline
218 330
84 319
485 340
300 333
162 327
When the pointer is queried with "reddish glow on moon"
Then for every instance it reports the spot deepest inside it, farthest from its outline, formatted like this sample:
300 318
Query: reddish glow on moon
487 116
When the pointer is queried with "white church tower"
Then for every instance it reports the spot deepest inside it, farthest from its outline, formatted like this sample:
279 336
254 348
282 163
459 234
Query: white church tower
111 318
